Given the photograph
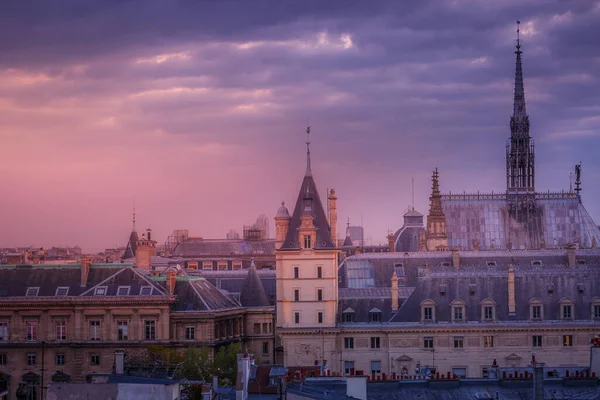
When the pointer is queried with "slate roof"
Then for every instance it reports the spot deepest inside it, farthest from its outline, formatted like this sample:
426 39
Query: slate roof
309 202
253 292
558 220
131 248
14 280
234 281
197 294
198 247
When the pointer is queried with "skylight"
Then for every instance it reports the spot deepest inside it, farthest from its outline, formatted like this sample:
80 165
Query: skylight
62 290
100 291
145 290
32 291
123 291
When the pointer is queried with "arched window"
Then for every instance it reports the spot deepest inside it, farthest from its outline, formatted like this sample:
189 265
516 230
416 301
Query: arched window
457 308
428 311
536 309
488 310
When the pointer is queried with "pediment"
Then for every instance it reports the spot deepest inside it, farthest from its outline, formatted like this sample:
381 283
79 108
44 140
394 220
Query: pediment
405 358
375 310
348 310
513 357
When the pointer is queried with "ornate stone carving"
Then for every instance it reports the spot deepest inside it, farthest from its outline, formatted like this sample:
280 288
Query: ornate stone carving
512 342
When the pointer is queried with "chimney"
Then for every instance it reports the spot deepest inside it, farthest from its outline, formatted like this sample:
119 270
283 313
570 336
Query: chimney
85 269
455 258
394 291
119 362
511 290
571 256
171 279
392 242
333 216
282 224
243 376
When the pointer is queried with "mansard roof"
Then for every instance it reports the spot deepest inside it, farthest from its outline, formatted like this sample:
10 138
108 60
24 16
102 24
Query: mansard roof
197 294
308 190
253 292
233 281
199 247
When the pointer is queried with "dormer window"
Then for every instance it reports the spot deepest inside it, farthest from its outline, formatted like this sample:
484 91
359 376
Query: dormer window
566 309
62 291
100 291
427 311
307 242
458 310
488 310
32 292
375 315
348 315
123 291
145 290
207 265
536 309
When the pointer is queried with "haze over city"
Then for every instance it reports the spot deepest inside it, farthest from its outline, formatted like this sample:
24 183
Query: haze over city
198 110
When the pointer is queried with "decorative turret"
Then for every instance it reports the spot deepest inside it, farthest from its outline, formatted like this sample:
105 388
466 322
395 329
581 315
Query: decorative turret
130 249
332 204
146 248
437 239
282 224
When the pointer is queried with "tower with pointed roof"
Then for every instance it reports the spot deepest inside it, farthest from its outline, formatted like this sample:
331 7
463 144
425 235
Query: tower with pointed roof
306 270
437 238
131 248
520 156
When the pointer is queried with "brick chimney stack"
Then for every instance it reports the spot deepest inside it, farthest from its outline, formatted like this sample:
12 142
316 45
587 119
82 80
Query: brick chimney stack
85 269
394 291
171 279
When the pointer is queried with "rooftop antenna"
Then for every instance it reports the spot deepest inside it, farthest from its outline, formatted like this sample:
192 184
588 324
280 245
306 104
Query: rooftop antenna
518 34
413 193
578 180
308 170
134 213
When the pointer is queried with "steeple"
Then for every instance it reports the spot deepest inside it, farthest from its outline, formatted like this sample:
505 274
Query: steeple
308 170
520 157
437 239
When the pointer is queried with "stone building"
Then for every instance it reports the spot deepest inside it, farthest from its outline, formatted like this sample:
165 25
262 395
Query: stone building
62 322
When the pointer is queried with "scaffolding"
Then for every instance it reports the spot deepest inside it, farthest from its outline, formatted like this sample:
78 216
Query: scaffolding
178 236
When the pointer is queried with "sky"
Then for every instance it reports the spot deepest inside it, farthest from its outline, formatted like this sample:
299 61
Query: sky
197 110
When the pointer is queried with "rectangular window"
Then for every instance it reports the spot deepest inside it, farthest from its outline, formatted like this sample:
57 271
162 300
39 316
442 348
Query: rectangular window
488 341
375 317
265 348
349 343
568 340
459 372
3 331
320 317
94 359
348 317
297 317
537 340
62 291
31 359
296 294
145 290
265 327
95 330
100 291
307 242
60 359
123 330
597 311
123 291
488 312
375 343
150 330
319 272
458 313
257 329
319 294
536 312
567 312
428 342
2 358
296 272
32 291
190 333
375 367
428 313
348 367
61 330
31 331
485 372
459 342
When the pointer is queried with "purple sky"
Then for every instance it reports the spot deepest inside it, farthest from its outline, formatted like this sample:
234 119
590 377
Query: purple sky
198 110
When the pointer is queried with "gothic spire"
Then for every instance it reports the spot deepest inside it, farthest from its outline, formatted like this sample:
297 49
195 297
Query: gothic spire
308 171
519 110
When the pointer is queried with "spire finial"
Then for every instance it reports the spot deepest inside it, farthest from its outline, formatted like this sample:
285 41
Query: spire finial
308 170
518 35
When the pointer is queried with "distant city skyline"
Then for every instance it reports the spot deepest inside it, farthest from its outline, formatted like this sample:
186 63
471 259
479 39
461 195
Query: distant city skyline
199 112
